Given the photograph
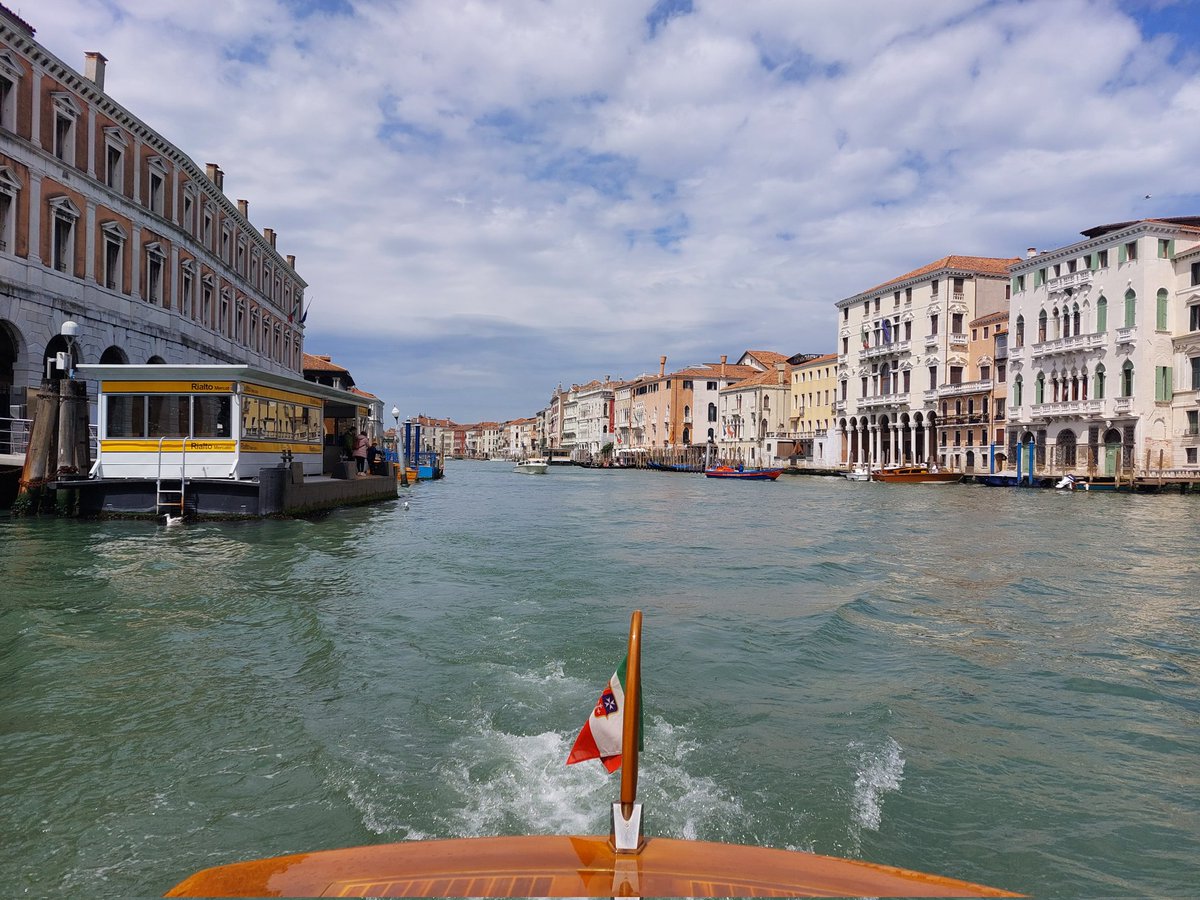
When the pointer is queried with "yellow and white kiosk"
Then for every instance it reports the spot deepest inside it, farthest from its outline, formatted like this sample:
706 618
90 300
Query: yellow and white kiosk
217 439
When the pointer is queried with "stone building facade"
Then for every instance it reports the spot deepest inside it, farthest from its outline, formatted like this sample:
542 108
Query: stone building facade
105 222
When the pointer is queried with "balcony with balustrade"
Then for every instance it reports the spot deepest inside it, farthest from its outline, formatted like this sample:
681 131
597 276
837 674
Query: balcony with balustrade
1076 343
1072 280
883 400
892 349
958 341
945 391
1127 335
1068 409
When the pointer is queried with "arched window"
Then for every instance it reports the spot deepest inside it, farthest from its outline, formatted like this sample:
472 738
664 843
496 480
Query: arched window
1016 392
1075 318
1160 310
1057 332
1098 381
1130 308
1083 383
1042 326
1127 379
1066 447
1102 314
1039 389
1020 338
712 412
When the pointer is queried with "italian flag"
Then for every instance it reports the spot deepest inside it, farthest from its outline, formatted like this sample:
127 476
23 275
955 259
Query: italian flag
600 737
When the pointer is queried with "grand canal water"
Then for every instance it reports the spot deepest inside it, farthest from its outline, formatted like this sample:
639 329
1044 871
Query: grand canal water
994 685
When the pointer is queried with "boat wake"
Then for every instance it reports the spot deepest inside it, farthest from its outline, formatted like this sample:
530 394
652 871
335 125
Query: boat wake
880 770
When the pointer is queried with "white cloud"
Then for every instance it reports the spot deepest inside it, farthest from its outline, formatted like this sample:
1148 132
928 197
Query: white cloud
584 195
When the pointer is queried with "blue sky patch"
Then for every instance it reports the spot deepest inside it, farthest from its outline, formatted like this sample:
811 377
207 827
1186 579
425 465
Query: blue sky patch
254 51
304 9
664 11
508 125
606 173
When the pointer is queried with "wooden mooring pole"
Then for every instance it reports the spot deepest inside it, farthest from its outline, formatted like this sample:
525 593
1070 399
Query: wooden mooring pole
58 443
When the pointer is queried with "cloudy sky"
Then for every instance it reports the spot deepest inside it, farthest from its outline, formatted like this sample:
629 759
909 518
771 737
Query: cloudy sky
488 199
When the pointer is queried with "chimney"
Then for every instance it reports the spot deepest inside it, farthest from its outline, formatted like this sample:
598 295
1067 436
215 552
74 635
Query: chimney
723 358
215 175
292 261
662 366
244 209
1031 253
269 234
781 367
93 67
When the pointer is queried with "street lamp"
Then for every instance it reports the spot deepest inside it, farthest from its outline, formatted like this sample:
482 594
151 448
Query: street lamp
399 451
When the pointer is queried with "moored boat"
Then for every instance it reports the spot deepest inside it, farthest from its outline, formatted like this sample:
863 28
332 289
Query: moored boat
915 475
859 472
742 473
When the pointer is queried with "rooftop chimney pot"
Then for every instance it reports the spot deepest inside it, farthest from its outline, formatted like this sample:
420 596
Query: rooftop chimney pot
244 209
1031 253
93 67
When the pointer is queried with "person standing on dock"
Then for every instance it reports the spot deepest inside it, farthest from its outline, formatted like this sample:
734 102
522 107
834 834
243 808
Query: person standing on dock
360 452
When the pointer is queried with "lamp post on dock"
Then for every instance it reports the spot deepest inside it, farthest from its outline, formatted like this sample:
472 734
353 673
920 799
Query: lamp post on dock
399 451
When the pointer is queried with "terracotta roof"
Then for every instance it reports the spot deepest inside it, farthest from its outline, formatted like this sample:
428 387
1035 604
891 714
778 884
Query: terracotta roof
982 265
1001 316
758 379
321 364
767 357
16 20
362 393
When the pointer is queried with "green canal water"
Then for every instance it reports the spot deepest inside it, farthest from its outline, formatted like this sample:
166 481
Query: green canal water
993 685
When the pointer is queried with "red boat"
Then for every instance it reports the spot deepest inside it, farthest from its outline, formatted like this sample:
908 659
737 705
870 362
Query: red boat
742 472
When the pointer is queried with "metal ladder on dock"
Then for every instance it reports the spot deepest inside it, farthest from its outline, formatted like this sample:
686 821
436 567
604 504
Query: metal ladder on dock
167 499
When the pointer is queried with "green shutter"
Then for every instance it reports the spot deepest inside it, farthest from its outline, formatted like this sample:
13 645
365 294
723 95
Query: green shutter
1102 315
1121 257
1169 383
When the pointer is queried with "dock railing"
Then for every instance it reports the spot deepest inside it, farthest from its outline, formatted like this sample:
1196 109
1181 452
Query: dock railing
14 437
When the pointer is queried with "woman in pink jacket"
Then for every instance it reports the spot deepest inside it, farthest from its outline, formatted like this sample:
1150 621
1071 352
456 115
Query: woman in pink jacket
360 452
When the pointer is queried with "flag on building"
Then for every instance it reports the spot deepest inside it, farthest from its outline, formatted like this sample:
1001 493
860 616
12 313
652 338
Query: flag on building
601 735
887 331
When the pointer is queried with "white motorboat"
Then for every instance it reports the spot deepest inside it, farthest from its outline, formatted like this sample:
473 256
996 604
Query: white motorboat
534 465
859 473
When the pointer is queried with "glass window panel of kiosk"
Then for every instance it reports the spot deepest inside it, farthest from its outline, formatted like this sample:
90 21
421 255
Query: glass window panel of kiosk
169 415
212 416
252 416
125 416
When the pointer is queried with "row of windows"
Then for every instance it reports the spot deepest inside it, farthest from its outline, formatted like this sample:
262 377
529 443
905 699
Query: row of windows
197 298
167 415
957 292
197 215
281 421
1074 386
1068 321
188 415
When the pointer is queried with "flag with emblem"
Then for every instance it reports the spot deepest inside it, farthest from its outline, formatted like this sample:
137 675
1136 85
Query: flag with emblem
600 737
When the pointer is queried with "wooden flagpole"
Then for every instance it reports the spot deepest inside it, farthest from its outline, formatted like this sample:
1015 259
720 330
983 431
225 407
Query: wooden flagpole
633 716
